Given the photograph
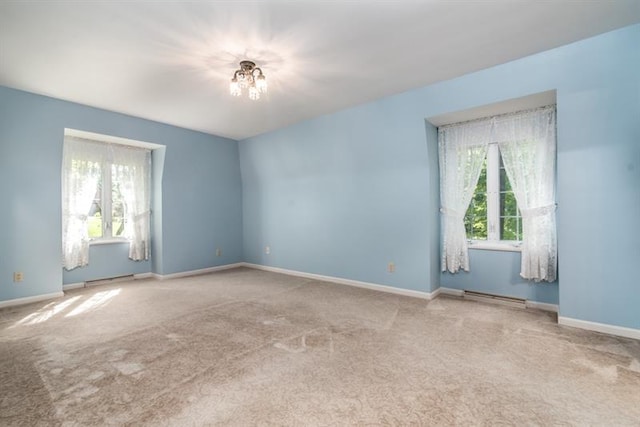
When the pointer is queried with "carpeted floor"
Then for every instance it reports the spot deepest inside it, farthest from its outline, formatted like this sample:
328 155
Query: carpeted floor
245 347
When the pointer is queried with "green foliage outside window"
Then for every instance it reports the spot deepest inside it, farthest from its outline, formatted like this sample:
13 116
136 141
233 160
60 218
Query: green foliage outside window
510 219
95 220
476 219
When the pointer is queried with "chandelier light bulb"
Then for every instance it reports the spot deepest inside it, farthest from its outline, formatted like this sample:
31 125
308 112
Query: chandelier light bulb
253 93
261 83
244 81
234 87
250 77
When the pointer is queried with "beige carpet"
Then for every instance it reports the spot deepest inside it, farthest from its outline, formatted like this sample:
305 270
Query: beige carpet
246 347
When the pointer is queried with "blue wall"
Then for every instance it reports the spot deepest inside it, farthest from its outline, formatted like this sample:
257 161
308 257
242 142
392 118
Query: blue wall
108 260
343 194
433 215
199 208
347 193
498 273
157 171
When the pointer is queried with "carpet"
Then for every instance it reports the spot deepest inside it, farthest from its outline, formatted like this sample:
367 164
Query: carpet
246 347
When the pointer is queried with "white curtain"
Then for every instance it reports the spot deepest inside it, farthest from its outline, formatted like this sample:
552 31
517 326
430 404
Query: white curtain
132 170
82 166
527 143
462 149
81 171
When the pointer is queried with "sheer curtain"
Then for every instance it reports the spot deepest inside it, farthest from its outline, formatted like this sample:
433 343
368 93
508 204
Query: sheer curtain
462 150
81 171
82 166
132 170
527 143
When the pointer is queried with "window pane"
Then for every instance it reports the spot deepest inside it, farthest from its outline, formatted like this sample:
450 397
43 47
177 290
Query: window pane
475 220
505 185
510 219
508 204
117 205
94 217
510 228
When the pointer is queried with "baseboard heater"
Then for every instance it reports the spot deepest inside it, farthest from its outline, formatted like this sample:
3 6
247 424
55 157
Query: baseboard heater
495 299
108 280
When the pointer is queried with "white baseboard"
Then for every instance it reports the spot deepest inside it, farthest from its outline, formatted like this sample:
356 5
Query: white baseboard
542 306
70 286
196 272
341 281
600 327
529 304
451 291
78 285
29 300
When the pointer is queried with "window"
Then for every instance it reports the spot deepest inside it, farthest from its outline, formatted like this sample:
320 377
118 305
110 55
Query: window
106 217
105 196
493 215
471 173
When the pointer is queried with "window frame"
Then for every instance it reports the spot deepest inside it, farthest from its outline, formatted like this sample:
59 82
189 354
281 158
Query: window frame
493 241
106 208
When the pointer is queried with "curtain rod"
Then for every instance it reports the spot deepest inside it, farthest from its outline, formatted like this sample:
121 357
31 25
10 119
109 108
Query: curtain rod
109 144
500 116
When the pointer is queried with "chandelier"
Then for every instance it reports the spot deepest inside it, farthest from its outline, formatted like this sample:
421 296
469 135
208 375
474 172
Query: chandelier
248 77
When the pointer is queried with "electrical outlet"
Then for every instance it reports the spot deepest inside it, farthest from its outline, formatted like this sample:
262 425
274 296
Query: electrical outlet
391 267
18 276
267 250
218 252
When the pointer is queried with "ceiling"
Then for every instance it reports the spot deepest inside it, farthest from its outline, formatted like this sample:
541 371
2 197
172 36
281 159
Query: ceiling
172 61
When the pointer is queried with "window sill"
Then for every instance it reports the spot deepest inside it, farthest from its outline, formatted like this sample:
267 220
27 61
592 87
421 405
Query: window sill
495 246
108 241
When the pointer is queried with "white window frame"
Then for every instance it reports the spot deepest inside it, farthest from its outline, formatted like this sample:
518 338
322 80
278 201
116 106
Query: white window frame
107 210
493 241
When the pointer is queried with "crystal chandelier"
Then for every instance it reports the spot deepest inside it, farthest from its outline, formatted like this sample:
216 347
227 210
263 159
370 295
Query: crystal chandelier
248 77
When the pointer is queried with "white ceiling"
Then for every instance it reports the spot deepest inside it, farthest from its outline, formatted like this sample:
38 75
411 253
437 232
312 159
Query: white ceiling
172 61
